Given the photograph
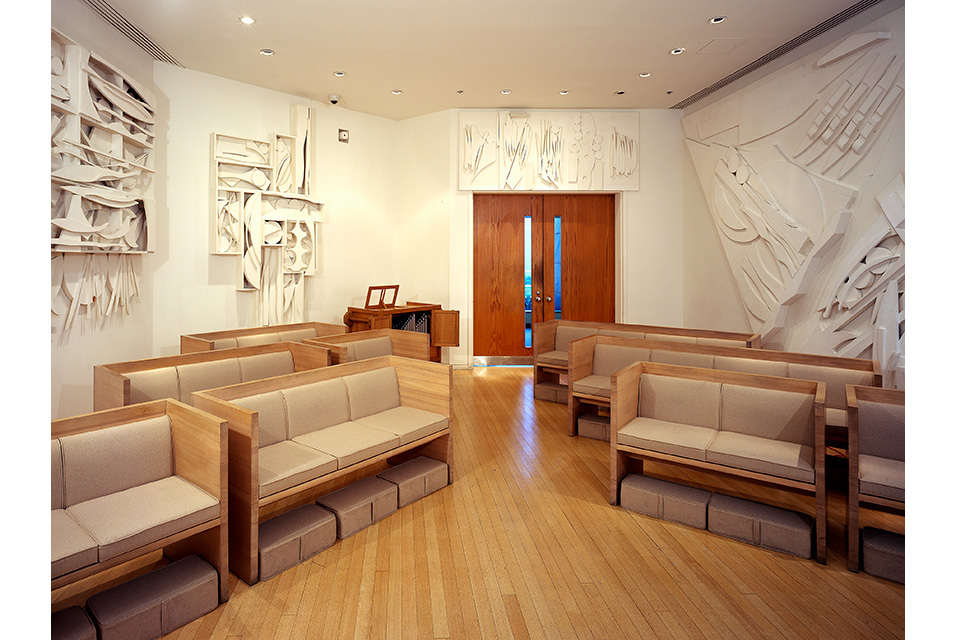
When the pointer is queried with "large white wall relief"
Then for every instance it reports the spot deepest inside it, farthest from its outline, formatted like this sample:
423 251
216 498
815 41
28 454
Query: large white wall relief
548 150
803 175
101 182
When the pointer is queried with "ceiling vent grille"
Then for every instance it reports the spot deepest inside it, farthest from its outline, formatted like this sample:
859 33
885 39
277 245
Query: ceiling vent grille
787 47
131 31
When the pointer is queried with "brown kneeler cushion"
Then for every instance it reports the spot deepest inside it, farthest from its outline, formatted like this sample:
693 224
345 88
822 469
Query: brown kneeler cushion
71 624
294 537
416 478
360 504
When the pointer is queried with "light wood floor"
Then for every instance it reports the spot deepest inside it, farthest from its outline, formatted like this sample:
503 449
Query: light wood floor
525 545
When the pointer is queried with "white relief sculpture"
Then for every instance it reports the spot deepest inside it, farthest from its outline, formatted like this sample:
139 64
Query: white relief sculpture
623 156
101 140
302 148
517 142
550 150
816 247
284 166
479 151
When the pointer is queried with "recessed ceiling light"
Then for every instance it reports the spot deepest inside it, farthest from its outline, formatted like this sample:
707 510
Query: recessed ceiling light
668 92
717 19
247 20
646 74
338 74
461 91
619 93
266 52
564 92
505 92
396 92
677 51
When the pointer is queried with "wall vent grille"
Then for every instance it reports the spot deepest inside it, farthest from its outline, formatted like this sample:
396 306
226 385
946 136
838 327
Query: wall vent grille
804 37
131 31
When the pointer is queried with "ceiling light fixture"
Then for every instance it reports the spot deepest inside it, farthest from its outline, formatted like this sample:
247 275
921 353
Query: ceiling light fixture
396 92
619 93
564 92
717 19
505 92
677 51
646 74
247 20
461 91
266 52
338 74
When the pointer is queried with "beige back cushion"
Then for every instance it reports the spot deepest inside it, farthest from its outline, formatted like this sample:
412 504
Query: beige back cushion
153 384
722 342
200 376
693 402
297 335
882 430
316 406
746 365
273 423
618 333
683 359
372 348
224 343
767 413
669 337
56 475
564 335
265 365
836 380
110 460
349 352
609 359
372 392
256 339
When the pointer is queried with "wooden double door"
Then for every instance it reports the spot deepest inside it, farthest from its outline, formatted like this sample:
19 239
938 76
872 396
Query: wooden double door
536 258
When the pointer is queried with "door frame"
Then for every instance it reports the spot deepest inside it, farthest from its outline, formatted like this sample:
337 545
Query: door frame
620 273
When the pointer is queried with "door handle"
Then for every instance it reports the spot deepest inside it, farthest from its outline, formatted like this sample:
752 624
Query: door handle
537 298
548 299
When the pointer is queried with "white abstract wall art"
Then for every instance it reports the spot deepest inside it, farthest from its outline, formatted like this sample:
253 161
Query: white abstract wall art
264 214
101 182
548 150
803 177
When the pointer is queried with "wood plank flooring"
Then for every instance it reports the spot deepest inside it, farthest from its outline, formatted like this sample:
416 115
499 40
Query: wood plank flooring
525 545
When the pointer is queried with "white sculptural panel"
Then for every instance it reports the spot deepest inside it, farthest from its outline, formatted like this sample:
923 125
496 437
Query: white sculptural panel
101 181
803 176
548 150
263 213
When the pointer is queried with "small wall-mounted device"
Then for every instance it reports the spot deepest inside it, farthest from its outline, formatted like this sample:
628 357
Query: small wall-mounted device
344 135
334 99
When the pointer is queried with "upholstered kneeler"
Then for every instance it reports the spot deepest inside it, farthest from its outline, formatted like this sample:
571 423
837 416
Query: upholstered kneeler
667 500
551 391
360 504
156 603
594 426
884 554
416 478
761 524
71 624
294 537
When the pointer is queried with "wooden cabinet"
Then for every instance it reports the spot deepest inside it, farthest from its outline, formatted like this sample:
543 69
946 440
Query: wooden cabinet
440 324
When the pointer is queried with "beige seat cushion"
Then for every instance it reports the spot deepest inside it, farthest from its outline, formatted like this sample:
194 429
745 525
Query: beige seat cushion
748 365
316 406
673 438
594 385
123 521
72 547
682 358
200 376
553 359
350 442
767 413
257 339
408 423
372 348
106 461
678 400
153 384
372 392
609 359
297 335
265 365
273 422
883 477
286 464
763 455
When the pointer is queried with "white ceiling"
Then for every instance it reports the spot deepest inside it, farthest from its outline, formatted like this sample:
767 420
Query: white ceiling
432 49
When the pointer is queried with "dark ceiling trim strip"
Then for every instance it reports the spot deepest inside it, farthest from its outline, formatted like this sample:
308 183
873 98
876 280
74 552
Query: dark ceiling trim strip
128 29
785 48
